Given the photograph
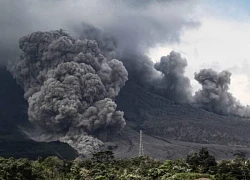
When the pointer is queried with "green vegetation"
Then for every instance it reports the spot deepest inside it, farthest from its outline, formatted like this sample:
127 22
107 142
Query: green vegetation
103 166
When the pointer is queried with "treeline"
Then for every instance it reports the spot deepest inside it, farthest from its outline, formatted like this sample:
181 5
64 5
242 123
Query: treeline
103 166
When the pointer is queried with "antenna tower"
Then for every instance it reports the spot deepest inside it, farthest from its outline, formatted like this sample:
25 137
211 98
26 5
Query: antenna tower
141 152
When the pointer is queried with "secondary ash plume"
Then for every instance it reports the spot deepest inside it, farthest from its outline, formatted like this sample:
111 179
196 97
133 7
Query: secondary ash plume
165 78
69 86
215 96
174 84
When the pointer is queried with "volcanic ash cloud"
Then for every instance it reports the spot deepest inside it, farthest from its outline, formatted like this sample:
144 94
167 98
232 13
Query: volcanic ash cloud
69 86
215 96
173 84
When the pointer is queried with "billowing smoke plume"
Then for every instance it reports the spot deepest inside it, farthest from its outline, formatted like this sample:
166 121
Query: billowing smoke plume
215 96
174 84
69 86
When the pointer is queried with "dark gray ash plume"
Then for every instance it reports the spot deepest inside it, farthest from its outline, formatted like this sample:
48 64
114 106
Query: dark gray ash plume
69 86
215 96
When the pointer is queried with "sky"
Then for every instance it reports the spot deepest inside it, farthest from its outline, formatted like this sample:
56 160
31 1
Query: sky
221 42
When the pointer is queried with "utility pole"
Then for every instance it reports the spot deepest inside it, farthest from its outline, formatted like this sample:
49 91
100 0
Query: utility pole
141 152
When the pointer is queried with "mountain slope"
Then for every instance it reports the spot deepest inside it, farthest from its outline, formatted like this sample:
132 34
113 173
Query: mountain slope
178 126
171 130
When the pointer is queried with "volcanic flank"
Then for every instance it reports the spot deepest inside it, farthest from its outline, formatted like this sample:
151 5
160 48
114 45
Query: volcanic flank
69 86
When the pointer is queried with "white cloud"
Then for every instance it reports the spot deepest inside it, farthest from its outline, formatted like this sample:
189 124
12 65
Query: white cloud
240 88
